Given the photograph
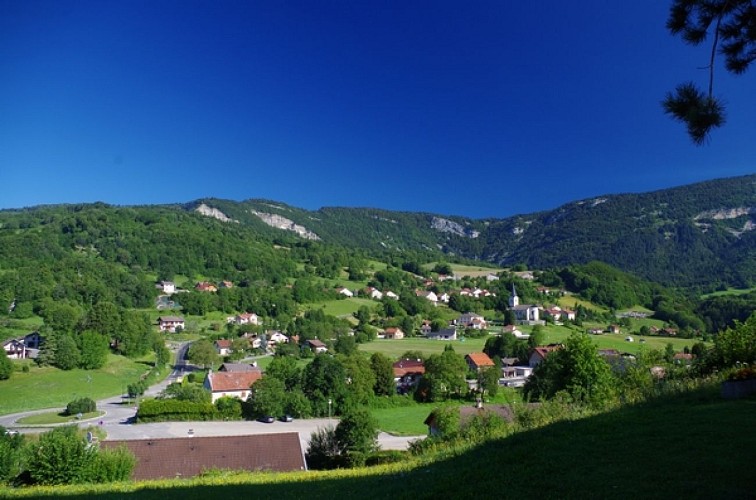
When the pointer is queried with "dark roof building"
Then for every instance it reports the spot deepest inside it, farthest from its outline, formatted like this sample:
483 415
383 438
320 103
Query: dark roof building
188 457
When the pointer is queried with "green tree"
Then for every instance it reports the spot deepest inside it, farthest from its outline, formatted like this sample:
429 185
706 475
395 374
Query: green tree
360 379
488 380
346 345
68 355
11 455
6 366
285 369
577 369
444 377
268 397
728 25
202 352
383 370
186 392
324 380
94 350
324 450
736 344
356 434
60 456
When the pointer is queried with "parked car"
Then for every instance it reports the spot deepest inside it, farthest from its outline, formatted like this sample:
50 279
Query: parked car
287 418
267 419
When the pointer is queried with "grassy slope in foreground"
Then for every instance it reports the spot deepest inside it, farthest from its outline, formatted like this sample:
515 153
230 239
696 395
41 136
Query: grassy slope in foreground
690 446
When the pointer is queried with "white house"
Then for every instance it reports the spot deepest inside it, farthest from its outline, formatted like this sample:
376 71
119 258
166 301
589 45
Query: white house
167 287
373 293
246 319
276 337
472 320
391 295
170 323
345 292
430 296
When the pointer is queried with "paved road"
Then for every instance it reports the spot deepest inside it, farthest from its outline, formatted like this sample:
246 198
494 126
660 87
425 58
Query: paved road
117 421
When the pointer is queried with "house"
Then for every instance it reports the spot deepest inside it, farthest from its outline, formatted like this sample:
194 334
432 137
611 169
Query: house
237 367
445 334
407 373
540 353
170 323
246 319
317 346
444 297
255 342
15 348
223 346
554 313
345 292
225 284
477 361
515 376
472 320
33 340
596 331
525 275
425 328
614 329
393 333
669 332
391 295
167 287
544 290
513 330
186 457
373 293
492 277
233 384
205 286
276 337
430 296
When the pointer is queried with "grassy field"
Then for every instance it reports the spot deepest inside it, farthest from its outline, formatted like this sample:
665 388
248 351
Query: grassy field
729 291
395 348
46 387
695 445
343 307
404 420
11 328
465 270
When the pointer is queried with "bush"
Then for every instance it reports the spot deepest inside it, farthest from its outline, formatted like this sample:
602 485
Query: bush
112 465
163 410
81 405
61 456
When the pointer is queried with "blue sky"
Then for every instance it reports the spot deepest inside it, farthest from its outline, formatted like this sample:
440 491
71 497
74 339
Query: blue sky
483 109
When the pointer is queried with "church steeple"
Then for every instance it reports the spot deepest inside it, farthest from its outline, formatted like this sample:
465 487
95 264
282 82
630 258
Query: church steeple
514 300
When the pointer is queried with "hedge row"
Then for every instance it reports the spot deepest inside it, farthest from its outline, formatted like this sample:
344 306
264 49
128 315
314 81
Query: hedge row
163 410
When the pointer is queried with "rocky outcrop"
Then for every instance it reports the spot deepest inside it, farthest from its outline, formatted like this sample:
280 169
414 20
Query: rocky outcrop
449 226
280 222
725 213
213 212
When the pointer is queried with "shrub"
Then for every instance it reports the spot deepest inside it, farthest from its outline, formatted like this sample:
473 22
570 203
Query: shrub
61 456
112 465
81 405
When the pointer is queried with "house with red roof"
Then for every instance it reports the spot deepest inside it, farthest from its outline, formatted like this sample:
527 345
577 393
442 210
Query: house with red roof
223 346
477 361
233 384
407 373
393 333
542 352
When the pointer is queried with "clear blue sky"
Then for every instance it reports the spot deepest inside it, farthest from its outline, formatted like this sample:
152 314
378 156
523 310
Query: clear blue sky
484 108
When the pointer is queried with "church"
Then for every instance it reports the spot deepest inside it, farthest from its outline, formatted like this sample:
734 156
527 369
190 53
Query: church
524 313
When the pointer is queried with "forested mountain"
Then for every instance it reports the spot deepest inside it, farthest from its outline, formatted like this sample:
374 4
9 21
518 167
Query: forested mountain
696 235
699 235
